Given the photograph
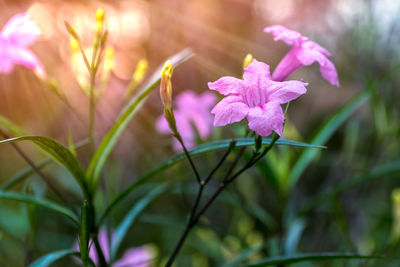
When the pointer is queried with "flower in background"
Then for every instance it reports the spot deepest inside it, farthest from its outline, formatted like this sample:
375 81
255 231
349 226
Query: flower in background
138 257
256 97
303 52
16 36
191 110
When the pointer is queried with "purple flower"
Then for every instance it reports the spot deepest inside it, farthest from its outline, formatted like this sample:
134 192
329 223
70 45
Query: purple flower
191 110
303 52
138 257
16 36
256 97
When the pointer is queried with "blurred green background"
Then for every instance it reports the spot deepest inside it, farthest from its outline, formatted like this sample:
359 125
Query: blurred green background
339 199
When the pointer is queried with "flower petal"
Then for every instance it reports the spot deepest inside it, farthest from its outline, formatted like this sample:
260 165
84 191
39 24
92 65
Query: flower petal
283 92
162 125
286 66
328 71
267 118
138 257
227 85
20 30
288 36
257 73
229 110
307 56
208 99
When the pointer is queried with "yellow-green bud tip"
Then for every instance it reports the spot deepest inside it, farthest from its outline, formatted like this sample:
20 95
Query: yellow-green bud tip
396 196
247 60
100 14
167 70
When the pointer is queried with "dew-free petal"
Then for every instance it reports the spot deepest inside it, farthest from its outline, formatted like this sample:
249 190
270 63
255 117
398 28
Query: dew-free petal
283 92
303 53
229 110
20 30
266 118
226 85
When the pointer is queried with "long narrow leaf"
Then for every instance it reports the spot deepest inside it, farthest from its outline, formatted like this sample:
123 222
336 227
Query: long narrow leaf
11 127
57 152
309 257
24 174
52 257
325 132
204 148
131 217
109 141
40 202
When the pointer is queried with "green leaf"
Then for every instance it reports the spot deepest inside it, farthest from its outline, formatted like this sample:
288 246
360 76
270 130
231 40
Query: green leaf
28 171
84 234
24 174
324 133
109 141
204 148
383 171
11 127
308 257
40 202
52 257
57 152
131 217
243 255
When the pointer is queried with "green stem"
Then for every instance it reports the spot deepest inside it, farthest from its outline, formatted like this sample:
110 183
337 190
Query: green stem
91 114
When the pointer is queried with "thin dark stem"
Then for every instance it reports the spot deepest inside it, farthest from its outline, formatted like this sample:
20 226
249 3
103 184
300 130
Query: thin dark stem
36 169
179 138
231 146
100 255
226 181
190 223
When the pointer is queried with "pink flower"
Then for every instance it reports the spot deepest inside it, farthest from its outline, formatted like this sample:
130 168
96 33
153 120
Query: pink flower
138 257
303 52
191 110
16 36
256 97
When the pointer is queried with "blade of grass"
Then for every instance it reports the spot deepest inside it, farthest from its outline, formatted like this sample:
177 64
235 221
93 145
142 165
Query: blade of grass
109 141
324 133
309 257
204 148
40 202
58 153
131 217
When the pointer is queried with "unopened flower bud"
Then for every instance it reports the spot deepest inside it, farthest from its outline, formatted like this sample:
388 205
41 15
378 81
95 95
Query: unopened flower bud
140 72
109 60
396 214
71 31
74 45
100 13
165 86
98 30
247 60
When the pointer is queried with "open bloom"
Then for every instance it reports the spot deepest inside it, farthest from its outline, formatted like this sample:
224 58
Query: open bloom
256 97
191 110
138 257
303 52
16 36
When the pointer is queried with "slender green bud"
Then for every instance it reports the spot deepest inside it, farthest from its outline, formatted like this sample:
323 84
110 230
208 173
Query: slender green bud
71 31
